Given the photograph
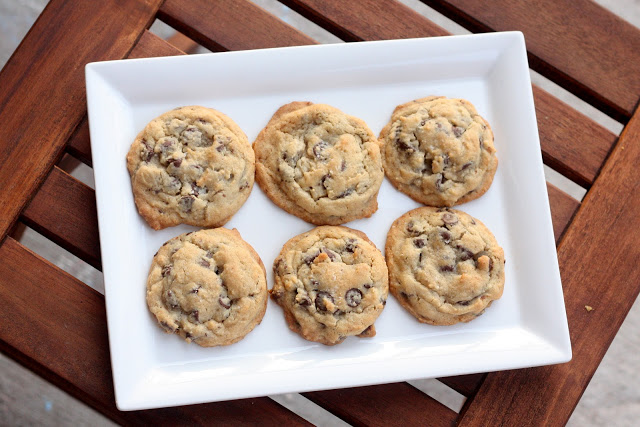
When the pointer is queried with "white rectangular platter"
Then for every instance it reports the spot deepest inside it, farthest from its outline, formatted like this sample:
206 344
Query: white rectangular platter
527 327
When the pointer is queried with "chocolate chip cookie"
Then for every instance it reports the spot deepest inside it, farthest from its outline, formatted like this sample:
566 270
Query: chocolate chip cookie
331 283
208 286
319 164
439 151
445 266
192 165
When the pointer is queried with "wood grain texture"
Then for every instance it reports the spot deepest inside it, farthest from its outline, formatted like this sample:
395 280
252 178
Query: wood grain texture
598 259
65 341
183 43
79 145
230 25
64 210
149 45
563 209
397 404
43 98
466 385
366 19
572 144
577 43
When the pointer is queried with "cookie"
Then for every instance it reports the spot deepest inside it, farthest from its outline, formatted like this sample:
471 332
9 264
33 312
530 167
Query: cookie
332 283
444 265
192 165
439 151
319 164
207 286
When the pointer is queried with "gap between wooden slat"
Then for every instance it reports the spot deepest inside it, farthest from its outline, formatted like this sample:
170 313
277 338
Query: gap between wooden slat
576 43
65 341
598 260
396 404
239 24
151 46
64 210
571 143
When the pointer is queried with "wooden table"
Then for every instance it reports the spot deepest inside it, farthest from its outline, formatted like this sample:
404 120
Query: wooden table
575 43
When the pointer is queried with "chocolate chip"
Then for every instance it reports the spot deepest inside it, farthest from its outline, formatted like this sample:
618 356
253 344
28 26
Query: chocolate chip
202 121
218 270
345 193
187 335
166 326
466 165
367 285
481 139
175 162
220 148
196 315
343 166
403 146
420 258
204 263
324 179
428 167
305 302
445 160
321 300
225 302
483 253
446 268
186 203
473 221
439 179
319 148
209 254
446 236
412 230
350 246
457 131
419 243
439 125
422 123
314 283
465 254
195 290
195 190
166 270
332 255
449 219
244 185
309 259
353 297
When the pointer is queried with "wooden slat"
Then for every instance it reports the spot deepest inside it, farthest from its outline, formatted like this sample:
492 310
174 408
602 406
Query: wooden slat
43 99
229 25
149 45
576 43
598 259
572 144
183 43
366 19
466 385
61 334
563 207
397 404
64 210
79 145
